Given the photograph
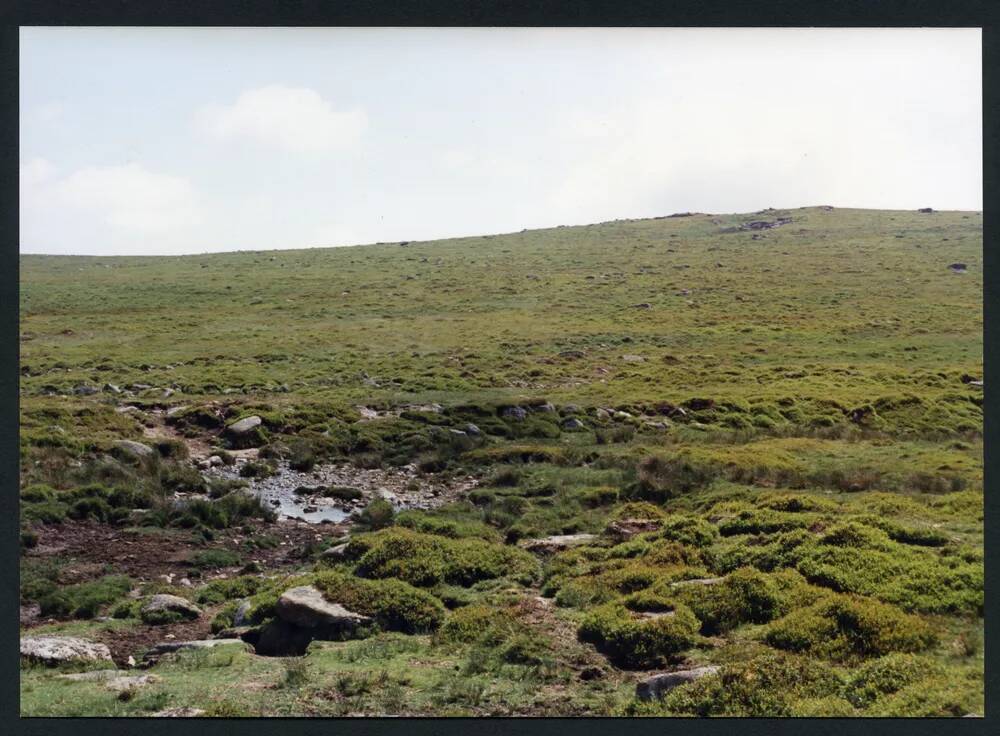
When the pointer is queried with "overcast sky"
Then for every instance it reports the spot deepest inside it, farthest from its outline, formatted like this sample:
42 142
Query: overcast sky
162 141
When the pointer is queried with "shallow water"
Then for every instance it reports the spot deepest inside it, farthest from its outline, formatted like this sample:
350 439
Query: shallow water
401 487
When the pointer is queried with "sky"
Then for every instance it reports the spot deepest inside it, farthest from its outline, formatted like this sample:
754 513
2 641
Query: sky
138 141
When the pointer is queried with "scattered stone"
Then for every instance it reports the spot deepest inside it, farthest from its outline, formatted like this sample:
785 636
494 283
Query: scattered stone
697 581
602 414
925 210
765 224
84 390
547 408
659 685
654 615
625 529
633 359
336 553
305 606
180 712
622 416
557 543
215 461
643 305
163 603
699 404
54 650
241 613
458 433
571 354
136 449
127 410
119 684
245 425
472 429
112 388
958 267
516 413
572 424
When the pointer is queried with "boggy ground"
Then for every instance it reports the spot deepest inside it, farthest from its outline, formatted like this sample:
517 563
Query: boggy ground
764 442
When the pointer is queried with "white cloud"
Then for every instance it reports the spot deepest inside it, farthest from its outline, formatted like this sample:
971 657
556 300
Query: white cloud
34 173
294 119
129 197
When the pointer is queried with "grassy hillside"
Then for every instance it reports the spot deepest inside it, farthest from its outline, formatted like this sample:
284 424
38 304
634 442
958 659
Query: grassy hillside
791 411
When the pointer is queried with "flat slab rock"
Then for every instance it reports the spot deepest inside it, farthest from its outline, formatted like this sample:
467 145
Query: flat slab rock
176 646
305 606
53 650
335 553
114 679
244 425
697 581
659 685
182 712
135 448
557 543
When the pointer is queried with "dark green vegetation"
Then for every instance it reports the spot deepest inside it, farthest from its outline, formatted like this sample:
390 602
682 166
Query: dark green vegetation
775 437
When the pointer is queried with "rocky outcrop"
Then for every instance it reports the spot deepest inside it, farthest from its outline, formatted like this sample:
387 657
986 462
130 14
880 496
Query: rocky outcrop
55 650
305 606
337 553
659 685
245 433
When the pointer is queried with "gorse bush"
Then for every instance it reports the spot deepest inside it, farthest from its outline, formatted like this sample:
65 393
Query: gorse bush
849 628
225 589
886 675
376 515
639 640
744 596
689 530
425 559
769 684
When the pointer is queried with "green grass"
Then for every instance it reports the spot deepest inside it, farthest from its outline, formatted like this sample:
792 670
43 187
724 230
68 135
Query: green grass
795 417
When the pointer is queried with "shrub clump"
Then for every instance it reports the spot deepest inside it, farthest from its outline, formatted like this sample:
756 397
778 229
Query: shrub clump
85 600
394 604
771 684
849 628
425 560
639 640
746 596
886 675
689 530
